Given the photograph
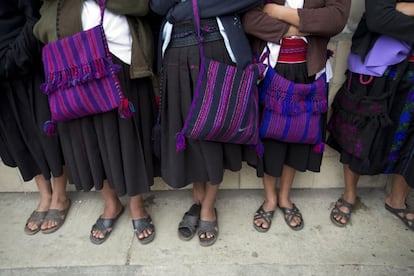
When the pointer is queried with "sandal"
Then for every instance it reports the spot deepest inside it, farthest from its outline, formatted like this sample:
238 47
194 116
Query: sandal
210 227
336 211
144 224
36 218
59 216
267 216
189 223
290 214
402 215
105 226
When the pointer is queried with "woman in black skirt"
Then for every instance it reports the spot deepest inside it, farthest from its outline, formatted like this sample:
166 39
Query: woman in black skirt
23 109
202 163
295 34
375 107
103 151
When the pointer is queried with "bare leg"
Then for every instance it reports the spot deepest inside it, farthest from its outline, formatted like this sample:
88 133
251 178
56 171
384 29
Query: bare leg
208 206
59 199
199 191
286 181
270 202
137 208
112 206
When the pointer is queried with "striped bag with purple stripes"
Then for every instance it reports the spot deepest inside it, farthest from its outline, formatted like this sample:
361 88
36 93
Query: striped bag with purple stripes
225 106
81 77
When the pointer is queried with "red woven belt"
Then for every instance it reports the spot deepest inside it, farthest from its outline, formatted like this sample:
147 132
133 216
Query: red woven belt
293 50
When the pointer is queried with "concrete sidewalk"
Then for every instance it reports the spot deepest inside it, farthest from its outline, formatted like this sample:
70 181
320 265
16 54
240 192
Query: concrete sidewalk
376 243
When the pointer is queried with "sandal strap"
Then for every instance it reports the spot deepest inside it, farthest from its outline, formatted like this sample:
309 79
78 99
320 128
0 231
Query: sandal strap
36 217
55 215
290 213
207 227
341 202
143 224
189 221
103 225
265 215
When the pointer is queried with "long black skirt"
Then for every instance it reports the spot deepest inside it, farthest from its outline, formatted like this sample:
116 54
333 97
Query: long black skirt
392 147
23 144
107 147
301 157
201 161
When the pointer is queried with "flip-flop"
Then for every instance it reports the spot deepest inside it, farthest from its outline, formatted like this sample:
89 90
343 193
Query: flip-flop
144 224
210 227
189 223
336 211
103 225
289 214
37 218
59 216
267 216
402 215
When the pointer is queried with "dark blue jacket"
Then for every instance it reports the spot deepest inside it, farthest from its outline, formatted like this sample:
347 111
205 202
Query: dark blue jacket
228 10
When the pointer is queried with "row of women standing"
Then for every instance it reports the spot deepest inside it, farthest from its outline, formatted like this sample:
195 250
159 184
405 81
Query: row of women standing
115 156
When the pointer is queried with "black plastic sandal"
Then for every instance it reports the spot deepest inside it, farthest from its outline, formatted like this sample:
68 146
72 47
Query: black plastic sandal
336 211
267 216
105 226
208 227
188 225
290 214
140 225
402 215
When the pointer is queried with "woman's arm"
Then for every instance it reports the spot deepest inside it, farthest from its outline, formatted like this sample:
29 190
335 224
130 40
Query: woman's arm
406 8
323 21
261 25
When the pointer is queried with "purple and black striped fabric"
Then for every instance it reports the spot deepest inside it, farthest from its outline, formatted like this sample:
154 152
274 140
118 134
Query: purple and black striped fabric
80 76
226 109
292 111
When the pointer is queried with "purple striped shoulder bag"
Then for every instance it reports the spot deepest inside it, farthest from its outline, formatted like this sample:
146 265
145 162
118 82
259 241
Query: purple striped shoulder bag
225 105
81 77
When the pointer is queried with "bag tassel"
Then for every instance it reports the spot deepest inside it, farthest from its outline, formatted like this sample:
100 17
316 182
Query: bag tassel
125 109
319 147
260 150
180 142
50 128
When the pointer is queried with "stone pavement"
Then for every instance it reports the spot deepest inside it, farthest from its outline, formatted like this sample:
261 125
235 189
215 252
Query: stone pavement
375 243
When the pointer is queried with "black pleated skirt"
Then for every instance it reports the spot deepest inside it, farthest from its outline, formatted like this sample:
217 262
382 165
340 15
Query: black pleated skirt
106 147
392 147
201 161
23 144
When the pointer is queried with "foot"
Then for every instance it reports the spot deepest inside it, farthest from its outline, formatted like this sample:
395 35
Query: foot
402 212
341 212
55 218
262 219
293 217
34 222
188 225
144 229
208 231
103 227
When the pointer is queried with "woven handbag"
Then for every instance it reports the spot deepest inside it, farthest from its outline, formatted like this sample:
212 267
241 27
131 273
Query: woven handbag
81 77
292 111
225 103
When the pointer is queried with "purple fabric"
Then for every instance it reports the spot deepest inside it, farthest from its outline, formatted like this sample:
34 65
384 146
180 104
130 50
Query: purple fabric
385 52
